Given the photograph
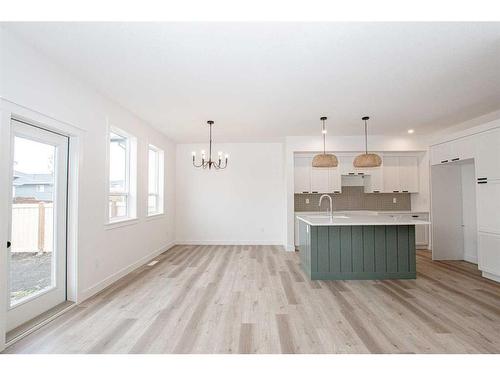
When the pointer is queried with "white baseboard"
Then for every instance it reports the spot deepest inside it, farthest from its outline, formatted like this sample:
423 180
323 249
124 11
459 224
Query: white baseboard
96 288
211 242
471 259
491 276
290 247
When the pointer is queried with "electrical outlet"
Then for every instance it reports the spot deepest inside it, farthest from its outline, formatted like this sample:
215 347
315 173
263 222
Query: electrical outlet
394 200
307 200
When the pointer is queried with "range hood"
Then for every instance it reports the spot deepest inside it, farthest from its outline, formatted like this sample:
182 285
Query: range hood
353 180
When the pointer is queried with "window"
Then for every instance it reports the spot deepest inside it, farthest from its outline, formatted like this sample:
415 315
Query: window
155 181
122 182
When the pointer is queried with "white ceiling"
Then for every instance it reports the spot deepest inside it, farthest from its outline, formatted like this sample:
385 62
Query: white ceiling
264 80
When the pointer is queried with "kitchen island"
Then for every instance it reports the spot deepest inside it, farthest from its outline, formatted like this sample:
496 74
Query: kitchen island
358 246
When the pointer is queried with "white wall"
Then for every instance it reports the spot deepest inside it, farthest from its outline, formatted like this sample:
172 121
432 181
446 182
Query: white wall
243 204
30 80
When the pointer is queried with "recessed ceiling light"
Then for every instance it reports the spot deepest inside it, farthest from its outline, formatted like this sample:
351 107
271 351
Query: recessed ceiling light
411 131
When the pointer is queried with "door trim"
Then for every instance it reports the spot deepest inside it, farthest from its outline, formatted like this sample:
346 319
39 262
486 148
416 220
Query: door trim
8 111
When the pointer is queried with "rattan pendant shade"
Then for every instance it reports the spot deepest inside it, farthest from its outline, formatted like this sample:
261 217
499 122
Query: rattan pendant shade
367 160
324 160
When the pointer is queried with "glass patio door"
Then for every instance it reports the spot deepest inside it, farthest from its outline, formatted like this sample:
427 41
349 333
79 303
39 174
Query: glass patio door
37 244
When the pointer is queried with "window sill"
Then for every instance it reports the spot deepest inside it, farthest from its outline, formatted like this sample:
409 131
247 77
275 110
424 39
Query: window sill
155 216
121 223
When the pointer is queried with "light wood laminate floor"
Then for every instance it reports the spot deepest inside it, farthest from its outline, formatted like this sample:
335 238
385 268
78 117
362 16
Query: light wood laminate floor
255 299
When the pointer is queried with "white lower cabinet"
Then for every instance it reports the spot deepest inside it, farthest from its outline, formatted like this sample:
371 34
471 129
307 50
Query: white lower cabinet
421 231
489 253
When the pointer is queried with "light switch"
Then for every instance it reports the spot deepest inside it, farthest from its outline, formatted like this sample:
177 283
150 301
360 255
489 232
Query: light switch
307 200
394 200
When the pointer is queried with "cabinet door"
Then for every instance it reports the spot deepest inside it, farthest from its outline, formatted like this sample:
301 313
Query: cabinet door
335 180
391 174
488 206
441 153
488 154
346 165
320 180
489 253
461 149
374 180
302 174
408 174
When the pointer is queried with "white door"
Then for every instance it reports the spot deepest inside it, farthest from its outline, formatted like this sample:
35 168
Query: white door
37 244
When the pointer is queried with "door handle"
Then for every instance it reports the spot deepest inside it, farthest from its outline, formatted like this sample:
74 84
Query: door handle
8 244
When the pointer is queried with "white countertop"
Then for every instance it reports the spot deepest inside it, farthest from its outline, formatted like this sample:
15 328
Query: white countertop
359 218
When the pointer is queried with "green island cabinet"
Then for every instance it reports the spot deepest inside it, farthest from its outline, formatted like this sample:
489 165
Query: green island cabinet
357 252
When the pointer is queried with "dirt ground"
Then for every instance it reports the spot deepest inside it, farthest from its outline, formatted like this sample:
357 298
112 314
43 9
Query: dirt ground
29 273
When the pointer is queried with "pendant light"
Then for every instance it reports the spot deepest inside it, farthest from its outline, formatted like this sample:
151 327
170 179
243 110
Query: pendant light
210 163
324 160
367 160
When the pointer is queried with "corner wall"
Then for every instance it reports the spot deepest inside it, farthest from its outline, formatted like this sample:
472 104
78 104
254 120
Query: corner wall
243 204
32 81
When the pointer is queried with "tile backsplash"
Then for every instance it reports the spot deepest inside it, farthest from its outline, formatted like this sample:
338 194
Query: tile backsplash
354 198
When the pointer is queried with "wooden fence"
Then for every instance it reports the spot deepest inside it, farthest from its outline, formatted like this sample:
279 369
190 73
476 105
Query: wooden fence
32 227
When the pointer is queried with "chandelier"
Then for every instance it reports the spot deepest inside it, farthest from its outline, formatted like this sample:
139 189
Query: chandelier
210 163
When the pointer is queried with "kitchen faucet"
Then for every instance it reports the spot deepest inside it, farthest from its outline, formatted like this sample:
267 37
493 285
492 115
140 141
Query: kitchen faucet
331 203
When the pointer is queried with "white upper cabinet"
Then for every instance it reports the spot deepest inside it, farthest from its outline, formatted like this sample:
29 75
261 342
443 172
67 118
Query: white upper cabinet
346 165
462 148
400 174
440 153
452 151
320 180
302 174
391 174
335 180
374 180
488 154
408 174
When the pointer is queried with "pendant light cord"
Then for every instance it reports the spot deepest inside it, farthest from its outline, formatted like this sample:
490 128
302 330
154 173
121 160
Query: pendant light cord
324 138
366 140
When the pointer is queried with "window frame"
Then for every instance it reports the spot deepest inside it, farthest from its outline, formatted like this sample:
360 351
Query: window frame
159 182
130 184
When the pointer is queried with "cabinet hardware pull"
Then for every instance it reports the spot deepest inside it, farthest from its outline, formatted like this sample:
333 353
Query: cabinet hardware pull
444 161
414 215
395 191
315 192
482 182
360 173
8 244
456 159
376 191
405 191
482 178
336 192
351 173
305 192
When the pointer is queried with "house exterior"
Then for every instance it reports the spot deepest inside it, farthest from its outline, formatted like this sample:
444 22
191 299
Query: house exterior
38 187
